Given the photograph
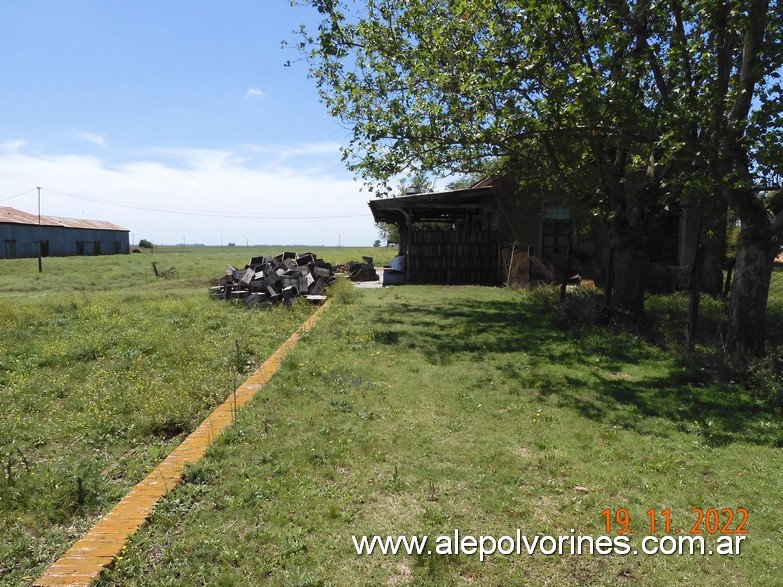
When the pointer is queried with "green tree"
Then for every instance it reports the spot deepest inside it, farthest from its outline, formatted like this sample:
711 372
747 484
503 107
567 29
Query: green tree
577 95
418 182
542 92
716 68
389 233
466 181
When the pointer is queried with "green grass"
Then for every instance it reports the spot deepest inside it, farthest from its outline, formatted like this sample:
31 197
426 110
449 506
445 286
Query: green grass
195 266
103 370
421 410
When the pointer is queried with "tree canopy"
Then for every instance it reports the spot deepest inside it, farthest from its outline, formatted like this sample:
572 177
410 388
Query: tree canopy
451 85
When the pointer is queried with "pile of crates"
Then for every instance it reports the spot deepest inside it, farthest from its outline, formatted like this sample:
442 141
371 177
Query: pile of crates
285 278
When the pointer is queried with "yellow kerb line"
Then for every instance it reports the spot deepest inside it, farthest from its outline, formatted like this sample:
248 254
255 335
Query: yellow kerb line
89 557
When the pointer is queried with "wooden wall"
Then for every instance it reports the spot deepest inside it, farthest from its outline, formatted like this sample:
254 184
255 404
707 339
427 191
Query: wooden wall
453 257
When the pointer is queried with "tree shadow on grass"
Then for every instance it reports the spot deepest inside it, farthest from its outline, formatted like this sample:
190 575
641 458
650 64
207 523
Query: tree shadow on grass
719 414
590 374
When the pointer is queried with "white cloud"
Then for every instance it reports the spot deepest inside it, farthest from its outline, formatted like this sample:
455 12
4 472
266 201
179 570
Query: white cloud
90 137
12 146
313 158
288 151
254 93
167 194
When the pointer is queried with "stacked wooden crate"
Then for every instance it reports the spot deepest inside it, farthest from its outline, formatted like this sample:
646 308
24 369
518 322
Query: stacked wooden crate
268 280
453 257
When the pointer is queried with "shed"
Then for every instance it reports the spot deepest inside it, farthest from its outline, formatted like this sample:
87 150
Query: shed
446 237
27 235
478 235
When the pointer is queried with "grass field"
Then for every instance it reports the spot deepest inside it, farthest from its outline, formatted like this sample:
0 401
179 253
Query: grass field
421 410
411 411
104 368
195 266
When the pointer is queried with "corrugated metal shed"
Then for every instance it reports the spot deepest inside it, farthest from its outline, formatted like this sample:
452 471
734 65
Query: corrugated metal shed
25 235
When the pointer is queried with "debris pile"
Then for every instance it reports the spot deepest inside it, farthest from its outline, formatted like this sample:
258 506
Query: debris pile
269 280
356 271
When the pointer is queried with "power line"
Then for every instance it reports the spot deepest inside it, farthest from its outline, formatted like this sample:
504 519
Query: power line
16 195
208 213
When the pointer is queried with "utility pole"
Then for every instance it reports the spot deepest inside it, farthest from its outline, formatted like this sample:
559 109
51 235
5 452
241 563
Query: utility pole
40 235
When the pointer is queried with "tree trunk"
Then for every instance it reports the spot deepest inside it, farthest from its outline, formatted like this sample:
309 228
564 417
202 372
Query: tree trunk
635 200
630 268
749 292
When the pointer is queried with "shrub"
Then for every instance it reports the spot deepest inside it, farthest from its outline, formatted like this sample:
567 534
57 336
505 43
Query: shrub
765 378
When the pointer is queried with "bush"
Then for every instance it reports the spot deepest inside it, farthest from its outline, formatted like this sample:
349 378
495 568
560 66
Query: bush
765 378
582 306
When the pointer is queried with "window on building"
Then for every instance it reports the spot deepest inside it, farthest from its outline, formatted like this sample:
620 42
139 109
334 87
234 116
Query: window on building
556 230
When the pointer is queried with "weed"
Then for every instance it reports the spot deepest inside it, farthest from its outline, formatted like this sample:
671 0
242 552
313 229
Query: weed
341 406
319 457
765 378
432 494
297 577
343 291
266 458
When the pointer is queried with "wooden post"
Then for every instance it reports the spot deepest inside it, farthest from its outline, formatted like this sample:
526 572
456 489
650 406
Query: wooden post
40 236
511 263
566 271
607 313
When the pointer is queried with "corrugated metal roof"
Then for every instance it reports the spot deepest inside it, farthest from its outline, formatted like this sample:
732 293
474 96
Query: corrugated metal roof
14 216
432 206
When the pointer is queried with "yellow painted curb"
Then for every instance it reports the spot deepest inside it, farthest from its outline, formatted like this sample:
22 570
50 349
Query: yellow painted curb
89 557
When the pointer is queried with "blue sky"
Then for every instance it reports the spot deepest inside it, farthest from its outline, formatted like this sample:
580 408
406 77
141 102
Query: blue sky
151 113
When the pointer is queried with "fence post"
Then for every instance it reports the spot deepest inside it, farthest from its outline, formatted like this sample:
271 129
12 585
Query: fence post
566 271
607 313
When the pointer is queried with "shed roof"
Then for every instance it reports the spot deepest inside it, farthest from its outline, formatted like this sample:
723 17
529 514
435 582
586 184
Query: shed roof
434 206
14 216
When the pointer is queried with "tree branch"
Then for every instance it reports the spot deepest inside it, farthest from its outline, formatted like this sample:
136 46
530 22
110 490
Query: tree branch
751 71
